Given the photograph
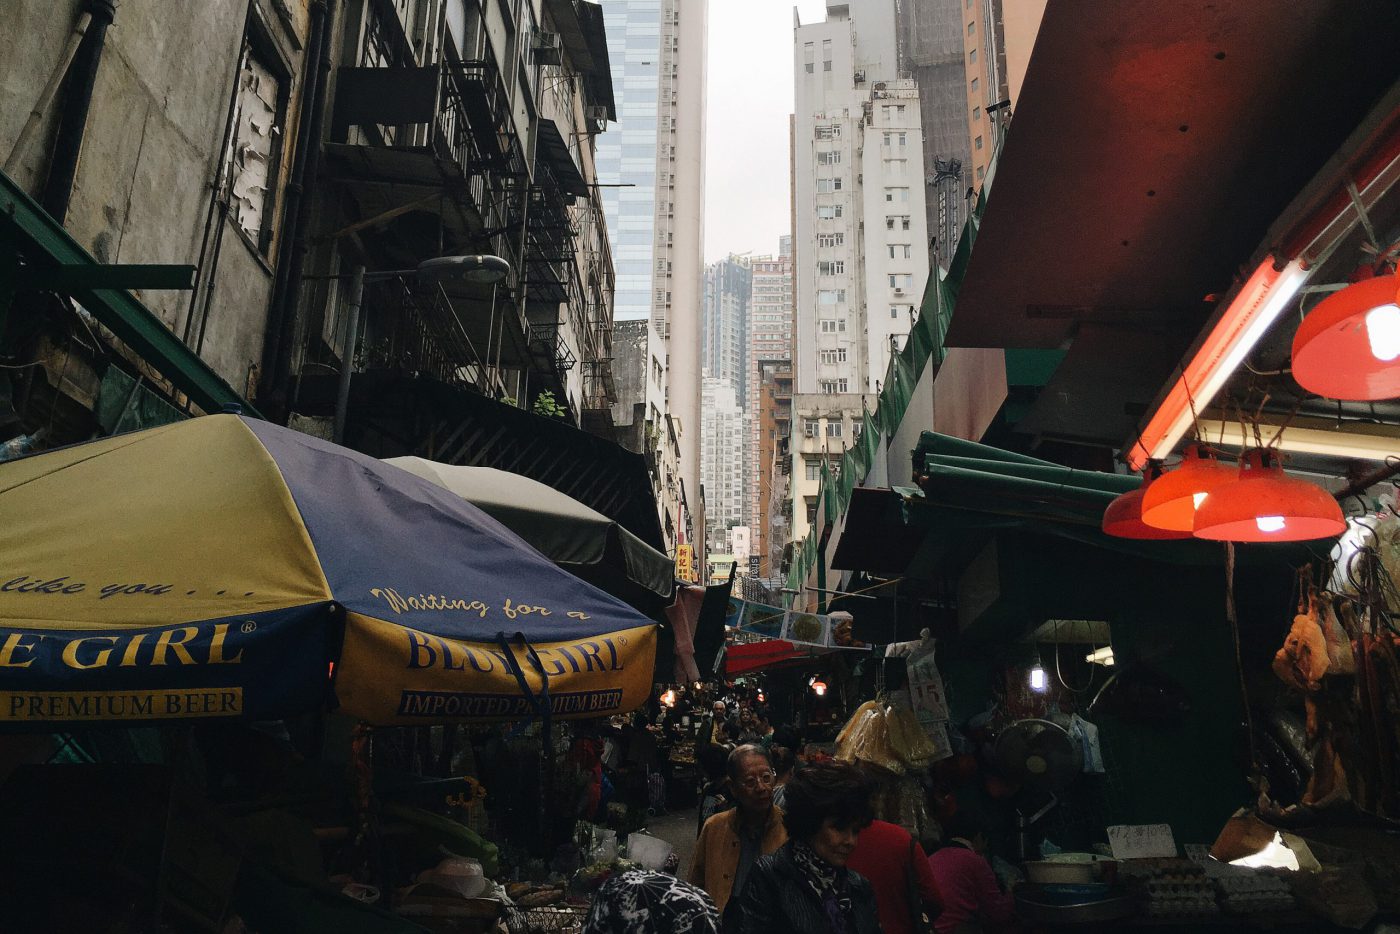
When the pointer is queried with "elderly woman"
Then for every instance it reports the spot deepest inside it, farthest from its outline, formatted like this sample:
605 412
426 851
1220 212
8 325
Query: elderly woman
805 887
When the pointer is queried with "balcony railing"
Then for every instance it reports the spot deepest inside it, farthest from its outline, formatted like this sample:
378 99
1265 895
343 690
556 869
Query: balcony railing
420 334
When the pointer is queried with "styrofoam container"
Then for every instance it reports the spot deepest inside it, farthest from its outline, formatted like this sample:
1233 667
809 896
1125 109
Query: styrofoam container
651 852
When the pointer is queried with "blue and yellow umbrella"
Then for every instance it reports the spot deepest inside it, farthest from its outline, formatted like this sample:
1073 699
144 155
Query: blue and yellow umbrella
225 567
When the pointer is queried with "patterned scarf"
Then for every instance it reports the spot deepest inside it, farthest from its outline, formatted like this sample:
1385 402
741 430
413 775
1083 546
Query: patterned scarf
828 883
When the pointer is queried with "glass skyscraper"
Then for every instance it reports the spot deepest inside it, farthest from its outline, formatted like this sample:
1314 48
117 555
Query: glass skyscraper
628 153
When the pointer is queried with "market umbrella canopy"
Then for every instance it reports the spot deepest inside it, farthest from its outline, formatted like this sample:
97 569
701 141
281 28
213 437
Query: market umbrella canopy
214 568
574 535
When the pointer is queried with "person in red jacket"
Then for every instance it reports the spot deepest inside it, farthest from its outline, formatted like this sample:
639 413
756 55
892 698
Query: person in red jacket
972 900
886 854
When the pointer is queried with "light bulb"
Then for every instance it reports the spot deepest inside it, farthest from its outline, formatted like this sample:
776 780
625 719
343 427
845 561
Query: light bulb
1197 499
1383 331
1270 523
1038 680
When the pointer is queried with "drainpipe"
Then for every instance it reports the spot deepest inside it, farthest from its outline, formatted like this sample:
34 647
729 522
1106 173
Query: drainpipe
46 96
82 76
296 210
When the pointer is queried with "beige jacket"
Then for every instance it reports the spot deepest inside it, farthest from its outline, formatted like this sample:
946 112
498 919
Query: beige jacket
717 851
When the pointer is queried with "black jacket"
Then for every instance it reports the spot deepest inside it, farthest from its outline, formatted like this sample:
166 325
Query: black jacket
777 900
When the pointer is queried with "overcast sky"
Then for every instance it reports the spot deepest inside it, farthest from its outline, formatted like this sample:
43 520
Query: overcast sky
749 99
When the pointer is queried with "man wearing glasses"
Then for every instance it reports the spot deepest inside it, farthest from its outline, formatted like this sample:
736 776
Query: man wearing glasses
732 841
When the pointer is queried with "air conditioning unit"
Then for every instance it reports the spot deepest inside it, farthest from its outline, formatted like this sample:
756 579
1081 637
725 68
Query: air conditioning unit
860 77
548 48
899 291
596 113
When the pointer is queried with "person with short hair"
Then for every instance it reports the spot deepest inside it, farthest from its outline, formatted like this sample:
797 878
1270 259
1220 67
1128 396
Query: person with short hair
806 887
972 900
732 841
784 761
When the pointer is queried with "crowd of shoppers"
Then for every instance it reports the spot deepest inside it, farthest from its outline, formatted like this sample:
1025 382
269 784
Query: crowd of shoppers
791 847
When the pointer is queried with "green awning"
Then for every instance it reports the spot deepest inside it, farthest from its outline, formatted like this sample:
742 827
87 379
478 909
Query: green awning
42 244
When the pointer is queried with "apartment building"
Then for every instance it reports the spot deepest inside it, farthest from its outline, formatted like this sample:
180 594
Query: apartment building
724 432
861 229
823 425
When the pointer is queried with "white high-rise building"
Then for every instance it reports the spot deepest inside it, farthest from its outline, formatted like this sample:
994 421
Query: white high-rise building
725 432
861 238
652 167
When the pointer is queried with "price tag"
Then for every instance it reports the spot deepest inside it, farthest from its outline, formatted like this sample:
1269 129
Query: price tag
1141 841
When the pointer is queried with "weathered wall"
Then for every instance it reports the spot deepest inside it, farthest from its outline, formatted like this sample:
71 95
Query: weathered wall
153 145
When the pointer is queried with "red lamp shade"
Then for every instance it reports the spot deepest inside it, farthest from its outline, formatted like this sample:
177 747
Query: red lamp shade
1348 347
1123 517
1171 501
1267 505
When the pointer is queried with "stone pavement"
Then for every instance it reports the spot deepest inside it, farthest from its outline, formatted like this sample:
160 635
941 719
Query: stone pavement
678 829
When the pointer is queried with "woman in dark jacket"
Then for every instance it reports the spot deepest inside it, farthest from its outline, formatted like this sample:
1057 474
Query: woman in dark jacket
805 887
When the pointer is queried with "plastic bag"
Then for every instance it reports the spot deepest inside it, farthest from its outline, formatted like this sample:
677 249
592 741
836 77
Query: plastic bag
908 740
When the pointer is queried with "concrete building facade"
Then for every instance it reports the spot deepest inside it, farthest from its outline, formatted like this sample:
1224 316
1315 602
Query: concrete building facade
823 426
861 229
931 37
724 431
773 464
770 344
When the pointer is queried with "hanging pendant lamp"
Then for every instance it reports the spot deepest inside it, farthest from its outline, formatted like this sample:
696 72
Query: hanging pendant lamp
1123 517
1170 502
1348 347
1267 505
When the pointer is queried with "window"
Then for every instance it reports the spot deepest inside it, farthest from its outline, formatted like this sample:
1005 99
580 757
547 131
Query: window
254 149
971 27
980 172
829 131
901 281
977 113
831 296
905 219
897 166
831 239
826 55
903 140
891 111
826 186
832 356
814 470
977 143
972 57
899 251
828 212
808 57
833 327
889 223
831 386
832 157
974 85
894 310
833 429
809 428
835 267
897 195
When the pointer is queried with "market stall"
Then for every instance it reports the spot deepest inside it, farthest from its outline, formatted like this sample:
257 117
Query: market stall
333 672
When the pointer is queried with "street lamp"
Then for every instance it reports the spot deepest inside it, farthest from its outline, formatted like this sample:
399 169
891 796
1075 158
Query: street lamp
482 269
